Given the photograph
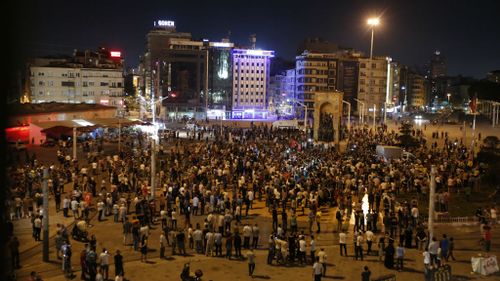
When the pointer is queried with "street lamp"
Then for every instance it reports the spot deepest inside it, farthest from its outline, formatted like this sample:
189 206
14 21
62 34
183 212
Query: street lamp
448 95
372 22
348 115
154 137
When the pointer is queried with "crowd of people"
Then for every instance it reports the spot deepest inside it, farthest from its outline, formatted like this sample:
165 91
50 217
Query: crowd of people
206 189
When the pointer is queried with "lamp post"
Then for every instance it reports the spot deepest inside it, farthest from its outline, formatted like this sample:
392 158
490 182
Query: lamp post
362 115
374 116
448 95
372 22
348 115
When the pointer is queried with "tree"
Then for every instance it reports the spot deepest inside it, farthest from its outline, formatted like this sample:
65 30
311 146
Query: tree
405 136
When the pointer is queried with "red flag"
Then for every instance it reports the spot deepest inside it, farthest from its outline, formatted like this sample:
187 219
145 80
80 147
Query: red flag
473 104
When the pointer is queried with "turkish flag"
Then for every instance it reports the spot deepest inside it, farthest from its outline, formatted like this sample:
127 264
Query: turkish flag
473 104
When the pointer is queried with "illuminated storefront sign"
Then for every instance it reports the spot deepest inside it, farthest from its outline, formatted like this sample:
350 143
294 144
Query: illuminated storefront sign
164 23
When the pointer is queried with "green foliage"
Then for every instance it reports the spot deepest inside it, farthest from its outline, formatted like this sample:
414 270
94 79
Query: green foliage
405 136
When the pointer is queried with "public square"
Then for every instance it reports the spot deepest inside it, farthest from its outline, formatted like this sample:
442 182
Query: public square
109 234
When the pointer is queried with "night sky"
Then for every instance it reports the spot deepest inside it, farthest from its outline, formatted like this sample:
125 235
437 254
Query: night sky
466 32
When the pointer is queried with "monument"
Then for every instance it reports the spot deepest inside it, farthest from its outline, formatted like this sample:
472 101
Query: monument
327 116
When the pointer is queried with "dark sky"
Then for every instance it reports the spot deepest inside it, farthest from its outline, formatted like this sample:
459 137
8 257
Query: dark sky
466 32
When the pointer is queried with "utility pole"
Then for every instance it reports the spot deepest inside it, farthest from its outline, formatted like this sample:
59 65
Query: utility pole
431 202
74 142
45 215
374 116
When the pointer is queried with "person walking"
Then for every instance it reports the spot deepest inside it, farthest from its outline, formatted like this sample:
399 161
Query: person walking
445 247
251 262
451 249
433 250
144 249
312 248
317 270
247 233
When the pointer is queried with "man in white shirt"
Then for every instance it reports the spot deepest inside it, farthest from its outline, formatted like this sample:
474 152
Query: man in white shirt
74 208
433 250
312 249
369 240
322 259
247 233
359 246
66 205
196 202
342 242
317 270
302 250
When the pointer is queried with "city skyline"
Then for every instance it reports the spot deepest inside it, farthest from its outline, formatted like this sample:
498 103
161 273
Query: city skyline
409 32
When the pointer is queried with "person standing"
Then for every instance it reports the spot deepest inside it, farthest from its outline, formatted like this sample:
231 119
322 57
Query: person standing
389 255
302 250
247 233
433 250
451 248
365 275
342 242
229 245
218 244
358 251
144 248
198 239
317 270
118 264
163 244
237 244
37 226
445 246
255 238
312 245
369 241
251 262
338 216
14 251
487 238
400 255
104 266
322 260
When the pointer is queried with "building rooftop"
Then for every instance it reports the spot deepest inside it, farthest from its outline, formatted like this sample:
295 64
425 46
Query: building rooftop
49 107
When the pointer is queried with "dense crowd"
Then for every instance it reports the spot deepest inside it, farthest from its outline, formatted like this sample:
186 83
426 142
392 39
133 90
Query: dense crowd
208 184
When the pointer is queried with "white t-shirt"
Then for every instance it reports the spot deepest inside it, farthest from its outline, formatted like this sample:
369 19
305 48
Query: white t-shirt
369 235
302 245
427 257
104 257
317 268
342 238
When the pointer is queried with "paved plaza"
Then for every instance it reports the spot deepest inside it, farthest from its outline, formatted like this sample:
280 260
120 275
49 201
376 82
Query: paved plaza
109 235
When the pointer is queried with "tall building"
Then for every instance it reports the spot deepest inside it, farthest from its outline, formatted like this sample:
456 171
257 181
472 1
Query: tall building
437 65
417 96
250 81
220 78
182 71
85 77
173 70
374 80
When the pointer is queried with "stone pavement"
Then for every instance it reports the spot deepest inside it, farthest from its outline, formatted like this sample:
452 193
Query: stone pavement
109 236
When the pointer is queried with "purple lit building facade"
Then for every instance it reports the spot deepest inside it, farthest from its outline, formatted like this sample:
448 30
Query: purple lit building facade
250 82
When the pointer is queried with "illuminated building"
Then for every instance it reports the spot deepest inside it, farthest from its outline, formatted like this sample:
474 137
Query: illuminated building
373 82
250 81
437 65
317 72
493 76
177 68
220 78
85 77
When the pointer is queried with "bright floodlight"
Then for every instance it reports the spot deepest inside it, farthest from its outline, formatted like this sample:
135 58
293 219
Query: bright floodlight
373 21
